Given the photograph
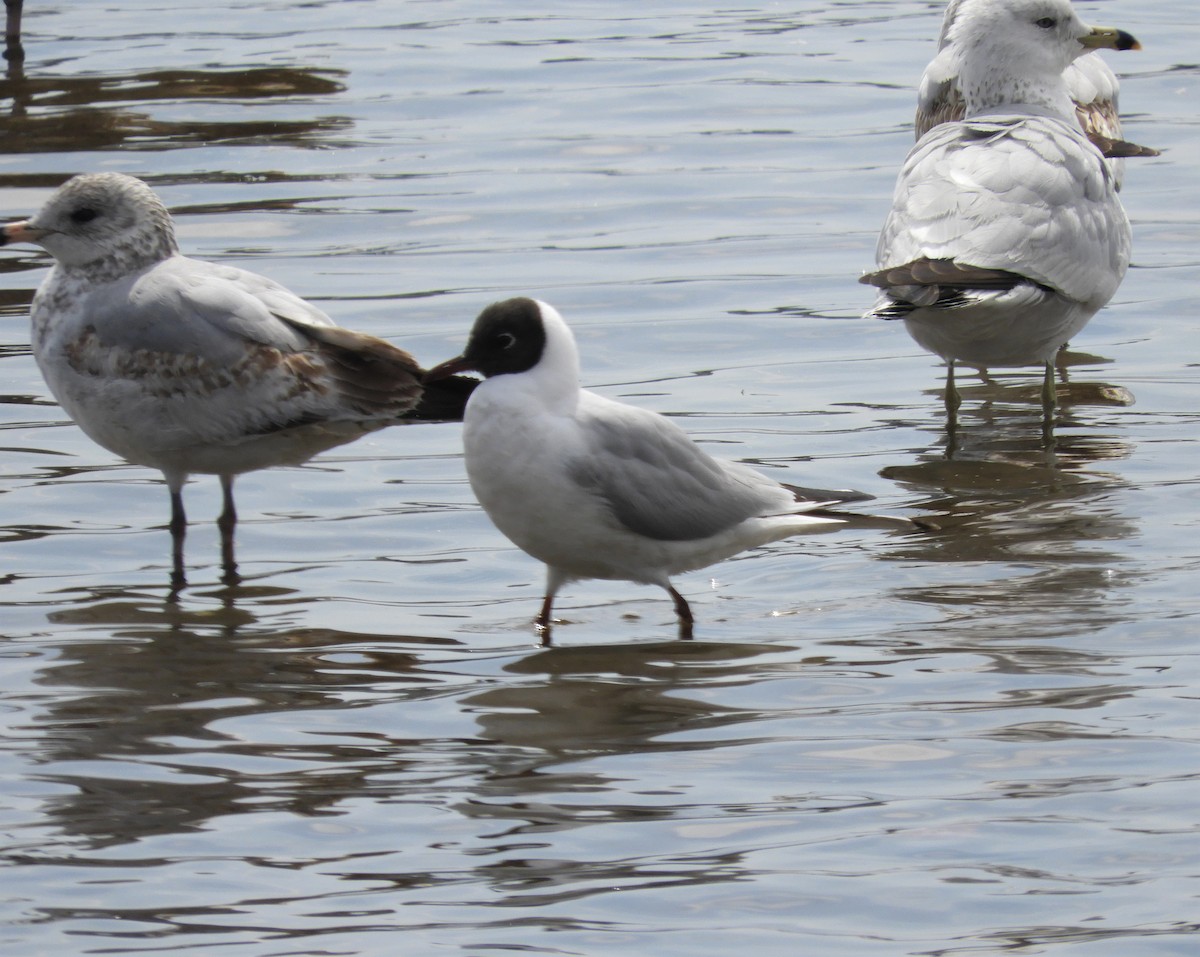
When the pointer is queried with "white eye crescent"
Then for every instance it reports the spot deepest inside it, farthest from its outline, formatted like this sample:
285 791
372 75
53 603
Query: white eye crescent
506 339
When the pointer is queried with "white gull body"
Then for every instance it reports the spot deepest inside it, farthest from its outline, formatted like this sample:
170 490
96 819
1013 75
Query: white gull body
188 366
598 489
1006 233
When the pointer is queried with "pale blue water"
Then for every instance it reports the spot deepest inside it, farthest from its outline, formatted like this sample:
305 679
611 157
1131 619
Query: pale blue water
981 742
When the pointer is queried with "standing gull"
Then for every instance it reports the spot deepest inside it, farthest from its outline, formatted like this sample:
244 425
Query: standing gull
1006 234
1091 85
598 489
187 366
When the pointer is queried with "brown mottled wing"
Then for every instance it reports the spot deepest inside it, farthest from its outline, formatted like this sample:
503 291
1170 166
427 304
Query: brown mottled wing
374 376
224 352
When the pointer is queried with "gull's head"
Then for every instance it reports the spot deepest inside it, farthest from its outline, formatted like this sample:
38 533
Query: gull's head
108 222
519 337
1014 51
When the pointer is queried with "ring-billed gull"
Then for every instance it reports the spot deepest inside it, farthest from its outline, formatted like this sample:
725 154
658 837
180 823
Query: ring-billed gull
188 366
1006 233
598 489
1091 84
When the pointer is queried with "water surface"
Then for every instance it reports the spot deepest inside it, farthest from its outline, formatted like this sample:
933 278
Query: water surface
964 744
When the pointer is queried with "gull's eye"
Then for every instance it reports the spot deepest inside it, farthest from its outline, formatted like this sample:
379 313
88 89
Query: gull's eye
506 340
85 214
1046 23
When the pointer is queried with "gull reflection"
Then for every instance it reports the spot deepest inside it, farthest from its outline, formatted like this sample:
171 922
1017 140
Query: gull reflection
1024 557
14 53
993 421
138 718
52 113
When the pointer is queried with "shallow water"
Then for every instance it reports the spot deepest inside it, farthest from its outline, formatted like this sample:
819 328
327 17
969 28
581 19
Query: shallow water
978 742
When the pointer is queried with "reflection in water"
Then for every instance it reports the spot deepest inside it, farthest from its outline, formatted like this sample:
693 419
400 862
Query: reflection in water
162 693
150 678
980 742
537 766
69 114
994 394
14 53
1032 939
1043 515
162 721
153 684
993 420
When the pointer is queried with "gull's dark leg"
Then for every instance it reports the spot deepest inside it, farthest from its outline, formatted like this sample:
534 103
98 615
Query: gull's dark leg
542 622
227 522
953 398
178 528
684 611
1049 392
1049 405
228 517
953 401
554 581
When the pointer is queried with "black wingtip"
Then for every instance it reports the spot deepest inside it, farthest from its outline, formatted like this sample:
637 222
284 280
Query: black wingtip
444 400
830 496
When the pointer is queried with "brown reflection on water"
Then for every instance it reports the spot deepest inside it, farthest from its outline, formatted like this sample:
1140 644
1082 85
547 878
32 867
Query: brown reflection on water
1047 516
69 114
146 680
570 706
575 703
997 398
149 685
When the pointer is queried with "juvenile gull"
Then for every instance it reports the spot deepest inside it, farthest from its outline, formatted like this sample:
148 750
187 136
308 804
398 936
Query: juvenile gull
598 489
1006 234
187 366
1091 84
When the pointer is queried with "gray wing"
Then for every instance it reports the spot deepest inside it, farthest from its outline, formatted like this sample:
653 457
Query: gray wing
221 354
190 307
659 483
1026 194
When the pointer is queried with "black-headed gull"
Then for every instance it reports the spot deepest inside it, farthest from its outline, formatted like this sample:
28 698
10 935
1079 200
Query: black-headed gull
1006 233
598 489
1093 87
192 367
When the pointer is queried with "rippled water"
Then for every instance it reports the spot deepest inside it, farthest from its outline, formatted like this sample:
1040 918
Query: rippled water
979 742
